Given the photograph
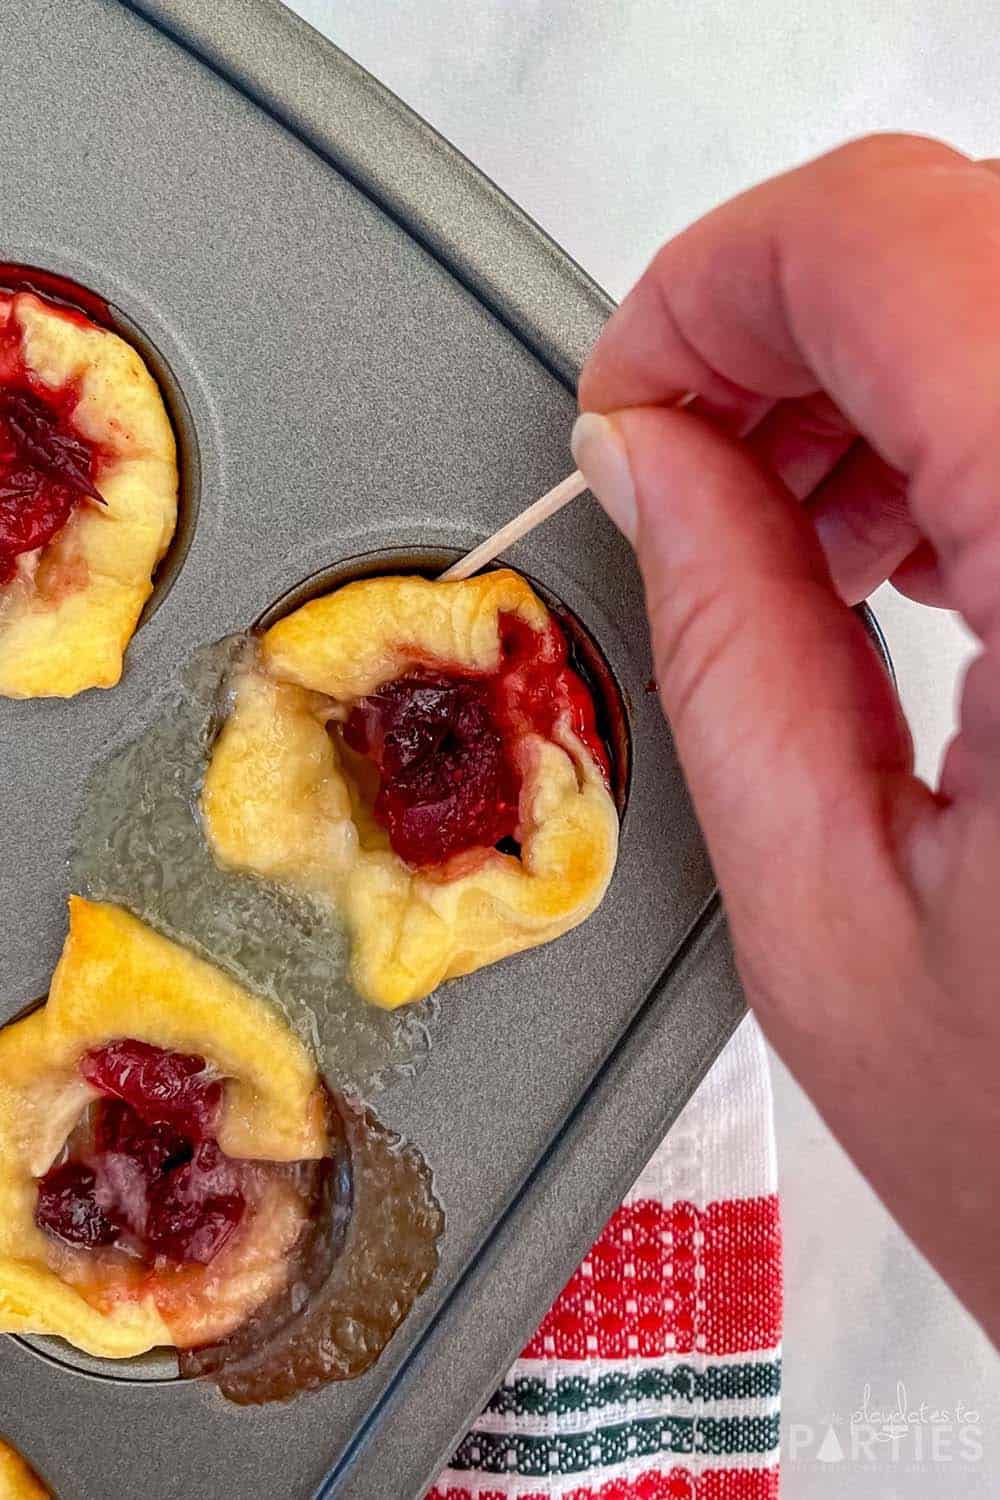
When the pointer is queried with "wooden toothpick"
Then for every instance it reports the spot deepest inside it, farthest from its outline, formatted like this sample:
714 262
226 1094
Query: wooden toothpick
561 494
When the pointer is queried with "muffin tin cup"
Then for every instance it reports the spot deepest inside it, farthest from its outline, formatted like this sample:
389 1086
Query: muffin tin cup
367 350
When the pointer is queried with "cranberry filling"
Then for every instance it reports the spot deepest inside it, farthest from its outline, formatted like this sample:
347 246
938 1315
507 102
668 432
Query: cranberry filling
67 1206
447 781
170 1088
46 467
146 1174
195 1208
444 744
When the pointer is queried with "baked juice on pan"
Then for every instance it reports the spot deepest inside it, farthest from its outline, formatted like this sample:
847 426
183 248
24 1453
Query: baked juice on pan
88 496
420 764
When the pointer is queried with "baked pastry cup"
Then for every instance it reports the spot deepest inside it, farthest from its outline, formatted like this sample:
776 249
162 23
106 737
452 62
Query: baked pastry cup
85 436
124 998
288 796
18 1481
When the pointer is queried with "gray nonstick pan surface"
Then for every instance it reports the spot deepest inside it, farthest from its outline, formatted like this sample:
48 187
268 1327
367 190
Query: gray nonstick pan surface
364 347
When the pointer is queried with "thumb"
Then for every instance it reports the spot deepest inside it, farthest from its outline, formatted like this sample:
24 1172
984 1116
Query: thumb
787 728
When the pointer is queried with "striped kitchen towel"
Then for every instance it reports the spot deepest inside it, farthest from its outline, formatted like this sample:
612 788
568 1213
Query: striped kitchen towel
656 1373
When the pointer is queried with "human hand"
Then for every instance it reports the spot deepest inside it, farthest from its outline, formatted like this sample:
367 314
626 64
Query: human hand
840 326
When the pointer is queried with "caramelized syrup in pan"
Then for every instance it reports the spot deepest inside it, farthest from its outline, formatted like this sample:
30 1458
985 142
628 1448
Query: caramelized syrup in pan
139 843
370 1253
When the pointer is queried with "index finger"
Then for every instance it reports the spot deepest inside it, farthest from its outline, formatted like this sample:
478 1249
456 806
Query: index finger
870 274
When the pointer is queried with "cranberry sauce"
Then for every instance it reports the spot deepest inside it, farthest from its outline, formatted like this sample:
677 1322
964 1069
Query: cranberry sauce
447 780
537 686
46 467
444 744
146 1174
172 1088
74 301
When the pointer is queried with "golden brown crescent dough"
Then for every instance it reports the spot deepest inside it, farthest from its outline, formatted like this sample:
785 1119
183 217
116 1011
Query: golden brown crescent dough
117 978
279 798
68 615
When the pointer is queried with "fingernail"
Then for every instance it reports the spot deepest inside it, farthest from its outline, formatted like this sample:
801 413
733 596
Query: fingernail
600 455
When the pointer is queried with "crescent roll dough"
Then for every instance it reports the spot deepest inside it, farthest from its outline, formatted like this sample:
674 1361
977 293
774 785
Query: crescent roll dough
68 615
117 978
281 798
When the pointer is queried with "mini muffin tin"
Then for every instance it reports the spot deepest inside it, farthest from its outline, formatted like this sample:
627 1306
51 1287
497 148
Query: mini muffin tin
365 347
